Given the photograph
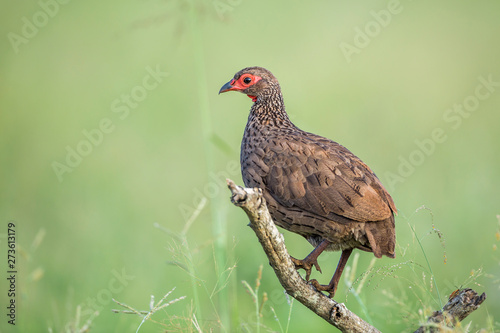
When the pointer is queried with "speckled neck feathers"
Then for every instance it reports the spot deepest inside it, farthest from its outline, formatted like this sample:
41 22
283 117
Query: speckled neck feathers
269 109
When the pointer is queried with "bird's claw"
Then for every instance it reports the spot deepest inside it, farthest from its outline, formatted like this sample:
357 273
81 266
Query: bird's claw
322 287
307 265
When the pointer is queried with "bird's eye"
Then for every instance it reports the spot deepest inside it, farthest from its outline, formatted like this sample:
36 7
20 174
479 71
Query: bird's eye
247 80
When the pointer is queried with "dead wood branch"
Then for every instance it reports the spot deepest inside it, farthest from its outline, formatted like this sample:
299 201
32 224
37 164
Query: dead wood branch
463 303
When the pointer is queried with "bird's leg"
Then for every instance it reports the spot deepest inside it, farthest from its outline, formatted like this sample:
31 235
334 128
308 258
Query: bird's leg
311 260
332 286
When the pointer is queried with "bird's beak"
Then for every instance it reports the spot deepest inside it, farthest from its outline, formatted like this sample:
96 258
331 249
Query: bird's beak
228 87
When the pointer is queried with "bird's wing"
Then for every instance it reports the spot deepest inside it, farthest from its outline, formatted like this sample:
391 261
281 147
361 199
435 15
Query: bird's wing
322 177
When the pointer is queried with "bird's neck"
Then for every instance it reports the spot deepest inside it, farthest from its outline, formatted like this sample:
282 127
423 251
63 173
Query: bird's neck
269 110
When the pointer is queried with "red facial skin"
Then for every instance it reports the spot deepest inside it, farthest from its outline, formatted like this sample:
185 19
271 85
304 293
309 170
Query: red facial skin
241 85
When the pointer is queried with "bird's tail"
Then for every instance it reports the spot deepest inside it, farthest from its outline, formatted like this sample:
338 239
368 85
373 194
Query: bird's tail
382 237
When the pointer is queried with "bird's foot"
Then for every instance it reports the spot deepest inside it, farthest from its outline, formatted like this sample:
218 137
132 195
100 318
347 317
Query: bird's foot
331 289
307 264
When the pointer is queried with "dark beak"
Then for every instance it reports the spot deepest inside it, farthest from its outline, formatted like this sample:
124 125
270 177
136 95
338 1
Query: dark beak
227 87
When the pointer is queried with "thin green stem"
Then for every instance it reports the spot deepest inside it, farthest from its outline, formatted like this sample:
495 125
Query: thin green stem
277 319
428 264
255 297
360 302
192 275
289 315
218 222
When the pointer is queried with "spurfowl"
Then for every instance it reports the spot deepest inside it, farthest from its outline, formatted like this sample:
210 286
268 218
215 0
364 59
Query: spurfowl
313 186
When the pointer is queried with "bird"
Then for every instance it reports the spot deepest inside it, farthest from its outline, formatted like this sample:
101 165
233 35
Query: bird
313 186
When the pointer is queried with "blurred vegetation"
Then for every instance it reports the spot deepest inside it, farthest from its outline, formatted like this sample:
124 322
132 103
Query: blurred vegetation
129 221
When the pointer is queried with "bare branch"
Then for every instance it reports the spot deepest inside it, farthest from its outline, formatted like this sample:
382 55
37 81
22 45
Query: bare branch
460 305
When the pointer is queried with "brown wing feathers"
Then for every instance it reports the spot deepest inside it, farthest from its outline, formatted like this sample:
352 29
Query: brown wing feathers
322 184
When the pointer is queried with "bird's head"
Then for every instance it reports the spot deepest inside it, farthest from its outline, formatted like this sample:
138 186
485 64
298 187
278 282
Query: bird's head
255 82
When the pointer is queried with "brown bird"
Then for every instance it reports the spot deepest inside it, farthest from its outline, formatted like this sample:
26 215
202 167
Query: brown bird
313 186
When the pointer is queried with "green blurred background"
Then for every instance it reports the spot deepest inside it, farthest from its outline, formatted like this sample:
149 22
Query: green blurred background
122 210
